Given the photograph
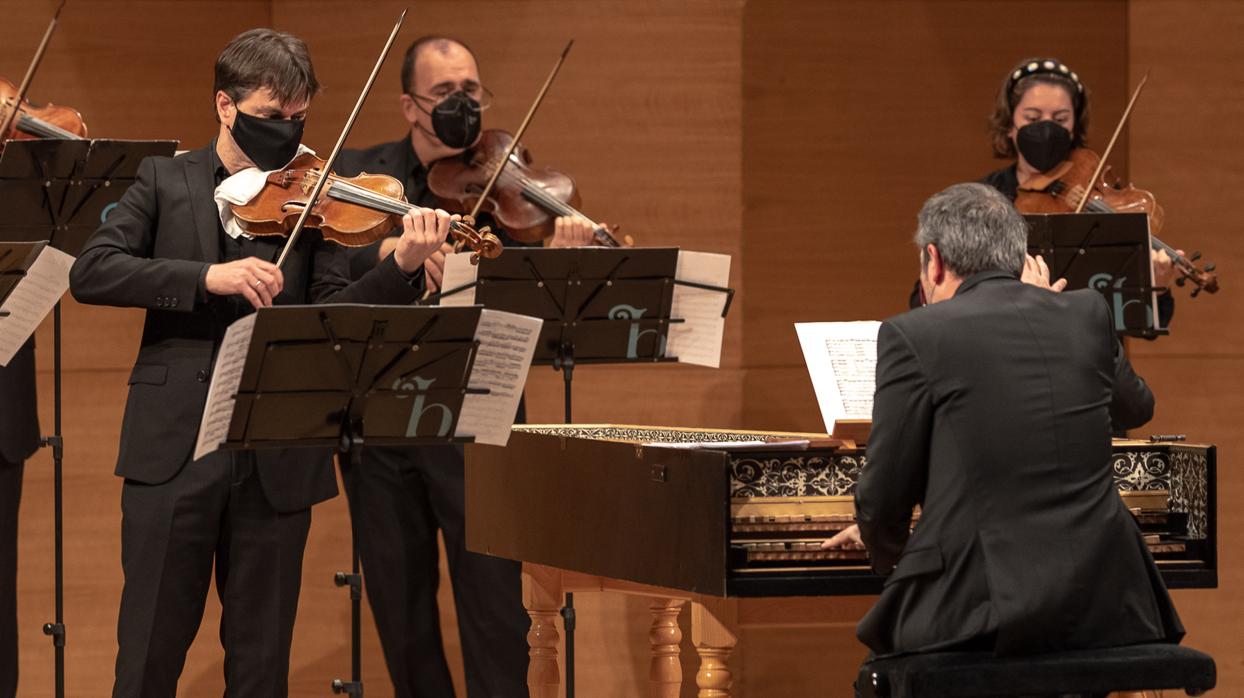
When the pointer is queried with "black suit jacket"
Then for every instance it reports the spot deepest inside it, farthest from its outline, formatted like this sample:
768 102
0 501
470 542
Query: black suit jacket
19 415
993 412
152 252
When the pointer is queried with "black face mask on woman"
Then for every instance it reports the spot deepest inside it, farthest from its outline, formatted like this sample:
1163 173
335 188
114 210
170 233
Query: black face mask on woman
1044 144
269 143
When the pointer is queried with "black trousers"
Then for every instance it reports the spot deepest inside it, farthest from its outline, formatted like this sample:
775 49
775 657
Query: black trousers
214 510
399 499
10 498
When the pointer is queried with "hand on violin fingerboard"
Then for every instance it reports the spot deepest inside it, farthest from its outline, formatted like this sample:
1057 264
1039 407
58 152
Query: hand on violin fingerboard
1163 267
572 231
1038 274
258 280
424 230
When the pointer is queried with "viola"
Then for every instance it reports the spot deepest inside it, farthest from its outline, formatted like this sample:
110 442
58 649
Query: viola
524 200
31 121
1081 183
351 211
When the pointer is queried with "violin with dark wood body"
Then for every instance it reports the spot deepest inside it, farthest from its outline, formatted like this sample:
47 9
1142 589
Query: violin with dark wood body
1062 189
524 200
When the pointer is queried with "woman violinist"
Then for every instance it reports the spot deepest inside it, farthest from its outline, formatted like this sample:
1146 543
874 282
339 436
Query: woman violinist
1040 116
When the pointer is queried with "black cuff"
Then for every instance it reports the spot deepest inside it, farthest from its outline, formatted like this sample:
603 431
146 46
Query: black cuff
200 292
414 279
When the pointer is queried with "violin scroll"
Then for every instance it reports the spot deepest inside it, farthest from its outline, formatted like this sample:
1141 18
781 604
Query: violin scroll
482 243
1203 278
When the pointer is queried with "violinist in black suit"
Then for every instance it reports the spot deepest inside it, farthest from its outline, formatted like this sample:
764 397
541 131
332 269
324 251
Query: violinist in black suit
993 411
19 438
168 249
403 496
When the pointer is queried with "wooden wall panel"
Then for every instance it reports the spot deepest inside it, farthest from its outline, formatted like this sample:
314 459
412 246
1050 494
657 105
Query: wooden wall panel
1183 149
817 128
657 151
853 116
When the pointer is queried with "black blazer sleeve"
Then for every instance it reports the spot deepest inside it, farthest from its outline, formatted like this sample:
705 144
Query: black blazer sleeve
383 284
1131 401
892 481
116 266
1131 404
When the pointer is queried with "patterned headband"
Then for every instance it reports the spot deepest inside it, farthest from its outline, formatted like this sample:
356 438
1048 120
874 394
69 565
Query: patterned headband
1046 66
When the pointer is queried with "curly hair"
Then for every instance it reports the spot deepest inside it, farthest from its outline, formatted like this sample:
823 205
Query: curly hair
1018 81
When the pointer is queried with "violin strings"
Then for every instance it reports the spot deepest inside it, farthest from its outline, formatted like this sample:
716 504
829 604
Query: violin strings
344 190
1100 206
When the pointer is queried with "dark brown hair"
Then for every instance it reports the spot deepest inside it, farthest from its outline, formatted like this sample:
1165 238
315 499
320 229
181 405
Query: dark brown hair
260 58
440 43
1012 91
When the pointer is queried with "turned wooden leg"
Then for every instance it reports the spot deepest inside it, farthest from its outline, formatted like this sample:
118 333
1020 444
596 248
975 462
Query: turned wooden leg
665 636
542 596
712 632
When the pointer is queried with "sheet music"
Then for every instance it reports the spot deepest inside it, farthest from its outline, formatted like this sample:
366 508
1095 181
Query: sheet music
506 344
223 390
842 361
45 282
698 340
459 272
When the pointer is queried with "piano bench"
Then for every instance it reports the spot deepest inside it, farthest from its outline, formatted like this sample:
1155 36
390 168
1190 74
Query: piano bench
1087 673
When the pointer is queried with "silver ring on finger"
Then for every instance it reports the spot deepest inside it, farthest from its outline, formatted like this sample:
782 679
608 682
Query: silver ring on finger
258 283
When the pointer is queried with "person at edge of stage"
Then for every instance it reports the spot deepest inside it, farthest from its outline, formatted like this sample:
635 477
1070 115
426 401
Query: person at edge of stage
1041 114
168 248
19 439
993 411
403 496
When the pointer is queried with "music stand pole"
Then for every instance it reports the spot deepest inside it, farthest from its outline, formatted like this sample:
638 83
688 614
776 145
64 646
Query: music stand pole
56 630
350 451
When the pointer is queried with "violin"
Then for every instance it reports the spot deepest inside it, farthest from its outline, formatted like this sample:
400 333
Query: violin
524 201
30 121
1081 183
352 211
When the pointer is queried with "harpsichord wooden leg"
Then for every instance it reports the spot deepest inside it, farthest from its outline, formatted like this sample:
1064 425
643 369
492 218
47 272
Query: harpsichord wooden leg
713 634
542 596
665 636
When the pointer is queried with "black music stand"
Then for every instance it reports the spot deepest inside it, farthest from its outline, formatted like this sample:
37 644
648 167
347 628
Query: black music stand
600 305
350 376
60 191
1108 252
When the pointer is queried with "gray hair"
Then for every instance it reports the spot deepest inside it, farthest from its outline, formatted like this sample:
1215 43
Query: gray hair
974 228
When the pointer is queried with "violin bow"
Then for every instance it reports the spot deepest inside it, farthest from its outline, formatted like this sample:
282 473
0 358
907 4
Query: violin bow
11 117
345 132
1101 164
509 152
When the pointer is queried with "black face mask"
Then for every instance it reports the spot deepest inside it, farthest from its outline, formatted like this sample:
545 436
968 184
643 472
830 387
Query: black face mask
269 143
1044 144
456 120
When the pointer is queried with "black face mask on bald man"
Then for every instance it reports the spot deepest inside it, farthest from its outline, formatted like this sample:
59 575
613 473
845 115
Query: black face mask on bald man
269 143
456 120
